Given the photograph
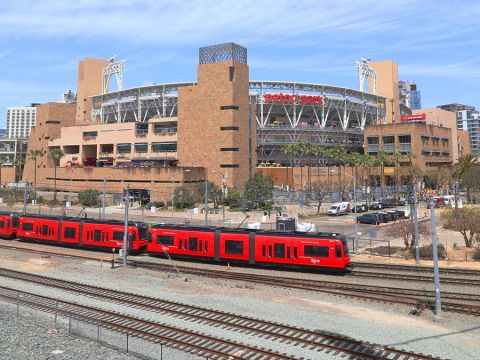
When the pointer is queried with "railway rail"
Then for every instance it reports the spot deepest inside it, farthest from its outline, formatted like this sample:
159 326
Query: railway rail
416 277
321 341
413 268
459 302
451 301
183 339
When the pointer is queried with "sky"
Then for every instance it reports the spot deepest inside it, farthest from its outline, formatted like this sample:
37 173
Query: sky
435 43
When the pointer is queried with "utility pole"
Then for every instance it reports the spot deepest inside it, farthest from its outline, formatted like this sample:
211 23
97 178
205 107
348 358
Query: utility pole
415 225
25 196
455 189
125 232
206 202
103 197
438 302
355 207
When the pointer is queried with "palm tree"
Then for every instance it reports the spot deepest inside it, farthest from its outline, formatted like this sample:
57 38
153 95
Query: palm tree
18 163
367 162
338 153
381 159
460 169
3 160
34 154
396 158
288 149
55 154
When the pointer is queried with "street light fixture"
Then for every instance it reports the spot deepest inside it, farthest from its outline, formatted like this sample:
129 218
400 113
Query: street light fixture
354 177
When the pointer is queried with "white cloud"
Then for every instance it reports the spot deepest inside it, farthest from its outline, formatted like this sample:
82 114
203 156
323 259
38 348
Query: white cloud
469 69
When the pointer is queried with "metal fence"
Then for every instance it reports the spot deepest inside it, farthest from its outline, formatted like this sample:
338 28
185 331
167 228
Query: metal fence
100 334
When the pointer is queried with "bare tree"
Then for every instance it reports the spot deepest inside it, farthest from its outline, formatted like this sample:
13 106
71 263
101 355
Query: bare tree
465 221
319 191
405 230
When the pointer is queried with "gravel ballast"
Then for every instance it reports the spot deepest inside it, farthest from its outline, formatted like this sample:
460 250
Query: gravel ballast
453 336
23 338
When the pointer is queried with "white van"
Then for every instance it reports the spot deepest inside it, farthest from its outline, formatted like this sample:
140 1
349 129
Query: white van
342 208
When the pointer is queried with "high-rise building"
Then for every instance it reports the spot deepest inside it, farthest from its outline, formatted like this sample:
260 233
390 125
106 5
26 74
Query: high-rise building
20 120
410 95
468 119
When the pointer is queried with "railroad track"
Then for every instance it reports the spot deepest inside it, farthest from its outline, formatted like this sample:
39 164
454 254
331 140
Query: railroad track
183 339
459 302
416 269
321 341
415 277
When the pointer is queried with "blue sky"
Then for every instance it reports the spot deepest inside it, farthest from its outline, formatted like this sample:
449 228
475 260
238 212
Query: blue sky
435 43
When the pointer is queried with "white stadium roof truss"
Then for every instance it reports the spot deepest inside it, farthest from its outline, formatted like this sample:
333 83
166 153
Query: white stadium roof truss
351 108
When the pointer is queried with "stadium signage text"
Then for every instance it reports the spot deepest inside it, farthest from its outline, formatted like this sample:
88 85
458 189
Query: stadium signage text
416 117
293 99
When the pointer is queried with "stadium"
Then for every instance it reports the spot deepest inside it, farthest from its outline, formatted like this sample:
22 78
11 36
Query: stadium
157 137
285 112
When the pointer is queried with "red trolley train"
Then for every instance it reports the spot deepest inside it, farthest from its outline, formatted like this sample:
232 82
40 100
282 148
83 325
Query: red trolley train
82 232
317 250
8 225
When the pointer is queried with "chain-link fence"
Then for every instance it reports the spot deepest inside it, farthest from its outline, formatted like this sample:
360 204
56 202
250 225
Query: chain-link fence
73 326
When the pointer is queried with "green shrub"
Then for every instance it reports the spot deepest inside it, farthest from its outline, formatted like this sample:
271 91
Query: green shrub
426 252
157 204
476 254
90 197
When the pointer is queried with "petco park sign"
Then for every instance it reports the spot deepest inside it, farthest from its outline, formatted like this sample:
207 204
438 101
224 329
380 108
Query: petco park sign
293 99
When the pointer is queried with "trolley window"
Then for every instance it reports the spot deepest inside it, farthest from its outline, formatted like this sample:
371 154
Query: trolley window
143 231
97 236
233 247
338 251
295 254
15 221
279 250
118 235
69 233
2 224
193 244
317 251
164 240
264 251
27 227
45 230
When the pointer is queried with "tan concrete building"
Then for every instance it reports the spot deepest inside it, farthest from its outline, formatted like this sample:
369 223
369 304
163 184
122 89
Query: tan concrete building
215 129
90 77
212 137
431 145
387 86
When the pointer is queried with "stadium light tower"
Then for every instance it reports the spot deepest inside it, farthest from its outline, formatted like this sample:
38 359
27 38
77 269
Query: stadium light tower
365 72
114 68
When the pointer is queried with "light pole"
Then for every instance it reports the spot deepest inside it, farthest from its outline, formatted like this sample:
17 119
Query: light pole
224 176
438 302
354 177
125 233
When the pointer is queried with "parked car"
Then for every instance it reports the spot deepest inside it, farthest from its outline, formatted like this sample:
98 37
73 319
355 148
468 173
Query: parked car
375 206
359 208
388 203
387 215
402 202
439 202
342 208
382 217
371 218
397 214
